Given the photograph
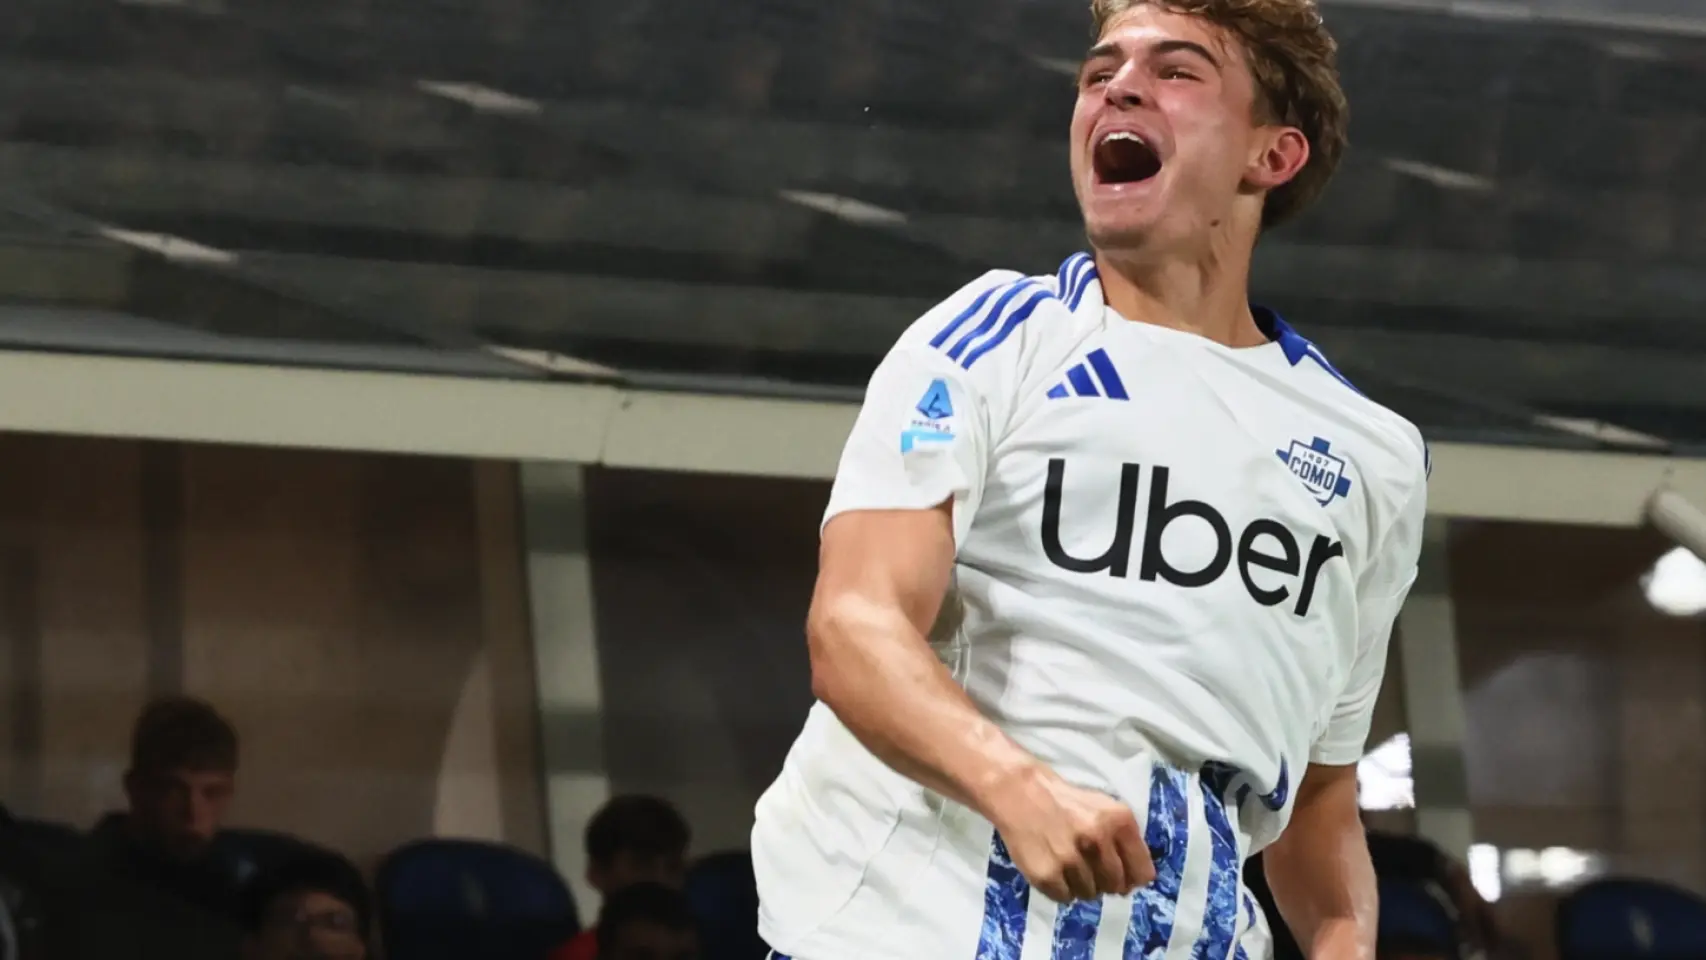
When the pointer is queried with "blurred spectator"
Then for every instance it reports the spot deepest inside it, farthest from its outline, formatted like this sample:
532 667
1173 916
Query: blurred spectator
1400 857
646 921
315 908
183 768
630 840
1404 858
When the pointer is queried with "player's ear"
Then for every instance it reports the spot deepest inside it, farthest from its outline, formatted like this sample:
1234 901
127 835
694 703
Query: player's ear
1283 153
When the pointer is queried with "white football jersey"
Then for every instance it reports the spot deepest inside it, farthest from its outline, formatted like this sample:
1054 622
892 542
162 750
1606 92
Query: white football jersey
1178 564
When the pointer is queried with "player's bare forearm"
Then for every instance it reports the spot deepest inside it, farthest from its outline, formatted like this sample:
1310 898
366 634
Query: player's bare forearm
1319 869
882 578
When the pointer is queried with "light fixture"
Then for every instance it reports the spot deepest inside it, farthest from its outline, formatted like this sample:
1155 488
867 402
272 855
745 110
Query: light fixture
1485 874
851 210
1384 781
1676 586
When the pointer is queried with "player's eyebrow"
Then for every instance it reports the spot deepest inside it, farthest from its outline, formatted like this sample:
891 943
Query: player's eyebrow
1103 51
1185 46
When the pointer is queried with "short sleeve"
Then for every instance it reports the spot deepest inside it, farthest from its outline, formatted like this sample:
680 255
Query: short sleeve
928 423
1380 595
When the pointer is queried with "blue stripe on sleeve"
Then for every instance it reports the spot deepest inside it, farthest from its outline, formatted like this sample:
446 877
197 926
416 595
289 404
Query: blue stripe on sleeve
942 336
991 317
1013 323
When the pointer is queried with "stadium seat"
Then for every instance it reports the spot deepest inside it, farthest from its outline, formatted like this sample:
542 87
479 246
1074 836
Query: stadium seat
1631 920
454 899
249 852
1415 922
724 897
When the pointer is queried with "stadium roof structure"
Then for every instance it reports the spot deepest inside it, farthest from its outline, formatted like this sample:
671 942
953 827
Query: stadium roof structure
610 211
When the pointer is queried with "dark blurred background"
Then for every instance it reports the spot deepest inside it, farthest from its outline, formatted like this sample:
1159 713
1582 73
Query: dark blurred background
440 668
762 193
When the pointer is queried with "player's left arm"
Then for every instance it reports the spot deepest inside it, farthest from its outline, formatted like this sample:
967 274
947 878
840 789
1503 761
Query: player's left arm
1319 868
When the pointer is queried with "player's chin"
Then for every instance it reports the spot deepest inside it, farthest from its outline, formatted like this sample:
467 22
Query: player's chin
1117 227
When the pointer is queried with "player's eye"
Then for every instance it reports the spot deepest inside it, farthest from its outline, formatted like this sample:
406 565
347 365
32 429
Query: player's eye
1096 78
1177 73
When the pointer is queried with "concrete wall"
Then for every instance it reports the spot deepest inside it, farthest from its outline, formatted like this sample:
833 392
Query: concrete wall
361 619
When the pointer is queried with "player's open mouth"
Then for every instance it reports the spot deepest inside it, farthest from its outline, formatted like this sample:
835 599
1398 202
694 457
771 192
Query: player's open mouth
1124 157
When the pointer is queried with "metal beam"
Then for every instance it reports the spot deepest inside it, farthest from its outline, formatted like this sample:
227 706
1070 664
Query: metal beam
565 665
1433 701
626 427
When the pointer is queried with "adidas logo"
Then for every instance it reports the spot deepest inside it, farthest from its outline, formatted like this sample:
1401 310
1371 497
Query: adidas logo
1095 377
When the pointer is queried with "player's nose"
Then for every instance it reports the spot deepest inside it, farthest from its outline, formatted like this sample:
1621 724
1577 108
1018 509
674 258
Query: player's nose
1126 90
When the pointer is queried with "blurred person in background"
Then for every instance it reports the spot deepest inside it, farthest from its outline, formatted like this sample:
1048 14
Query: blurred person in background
183 770
646 921
1419 861
1412 860
315 908
630 840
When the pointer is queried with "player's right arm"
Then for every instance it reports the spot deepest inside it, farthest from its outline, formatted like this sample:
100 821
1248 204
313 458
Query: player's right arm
910 480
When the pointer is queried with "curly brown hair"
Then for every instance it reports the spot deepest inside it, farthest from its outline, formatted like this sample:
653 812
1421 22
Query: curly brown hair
1295 63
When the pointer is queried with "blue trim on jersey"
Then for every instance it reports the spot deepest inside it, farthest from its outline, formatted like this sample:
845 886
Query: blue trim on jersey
953 325
991 317
1090 276
1220 914
1058 392
1067 277
1297 348
1075 930
1013 304
1168 833
1111 381
1006 901
1075 276
1082 385
1013 322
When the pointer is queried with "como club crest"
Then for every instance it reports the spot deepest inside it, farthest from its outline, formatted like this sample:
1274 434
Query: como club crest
1322 472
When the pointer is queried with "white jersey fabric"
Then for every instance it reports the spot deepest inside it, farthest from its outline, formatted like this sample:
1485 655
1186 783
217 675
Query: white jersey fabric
1178 566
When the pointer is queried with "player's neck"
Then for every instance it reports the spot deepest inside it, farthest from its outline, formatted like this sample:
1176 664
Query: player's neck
1208 296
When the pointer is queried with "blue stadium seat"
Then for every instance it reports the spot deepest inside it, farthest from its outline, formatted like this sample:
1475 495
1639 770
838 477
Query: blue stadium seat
1414 920
249 852
454 899
724 897
1631 920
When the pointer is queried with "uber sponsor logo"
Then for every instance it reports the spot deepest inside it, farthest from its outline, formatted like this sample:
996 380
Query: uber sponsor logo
1265 544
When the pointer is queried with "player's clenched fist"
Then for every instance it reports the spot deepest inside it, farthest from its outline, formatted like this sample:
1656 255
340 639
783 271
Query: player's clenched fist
1070 843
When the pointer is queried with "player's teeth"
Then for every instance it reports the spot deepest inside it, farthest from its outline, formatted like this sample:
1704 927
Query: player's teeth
1122 135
